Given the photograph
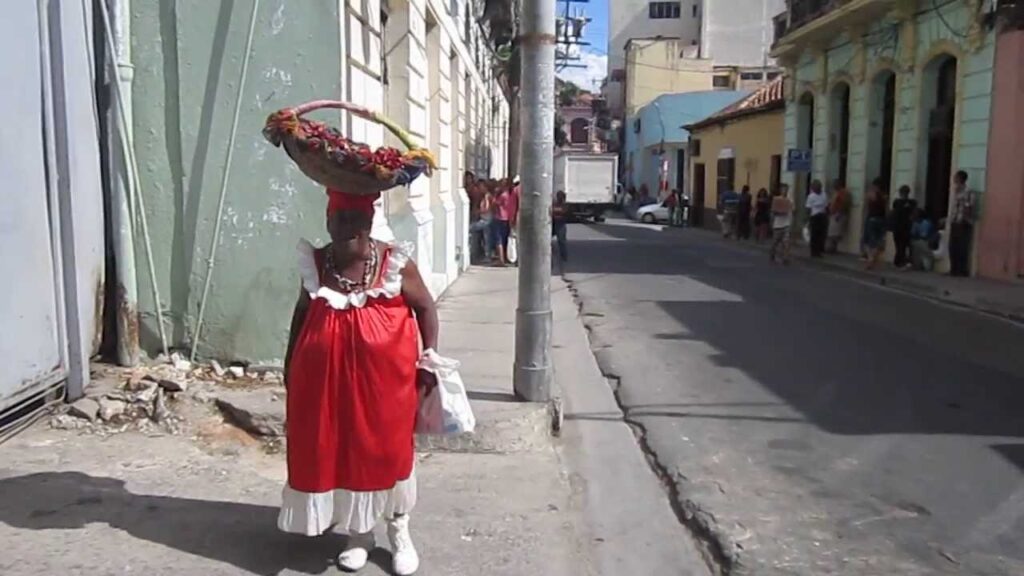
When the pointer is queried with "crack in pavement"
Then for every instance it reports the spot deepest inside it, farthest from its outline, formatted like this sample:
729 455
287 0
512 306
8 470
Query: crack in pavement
715 547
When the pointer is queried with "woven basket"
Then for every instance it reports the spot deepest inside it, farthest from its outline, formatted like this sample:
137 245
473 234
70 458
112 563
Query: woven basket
352 167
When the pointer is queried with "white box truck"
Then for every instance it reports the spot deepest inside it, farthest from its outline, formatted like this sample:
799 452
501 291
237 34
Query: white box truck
590 182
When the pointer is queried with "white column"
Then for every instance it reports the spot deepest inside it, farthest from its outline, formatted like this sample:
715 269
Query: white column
364 62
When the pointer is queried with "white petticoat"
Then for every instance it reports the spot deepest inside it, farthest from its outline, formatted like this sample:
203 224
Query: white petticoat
312 514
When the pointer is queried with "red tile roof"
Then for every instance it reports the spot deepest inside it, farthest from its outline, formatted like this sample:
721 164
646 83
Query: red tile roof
768 97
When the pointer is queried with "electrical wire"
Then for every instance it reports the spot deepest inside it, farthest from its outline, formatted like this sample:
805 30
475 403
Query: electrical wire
942 18
210 262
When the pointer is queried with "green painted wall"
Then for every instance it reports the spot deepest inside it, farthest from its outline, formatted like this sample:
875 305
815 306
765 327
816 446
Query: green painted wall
952 32
188 55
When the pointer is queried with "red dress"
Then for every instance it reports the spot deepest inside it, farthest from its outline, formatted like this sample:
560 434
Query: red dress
352 403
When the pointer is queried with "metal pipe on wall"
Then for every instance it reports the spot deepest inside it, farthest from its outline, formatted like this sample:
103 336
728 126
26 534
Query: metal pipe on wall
128 319
533 372
122 206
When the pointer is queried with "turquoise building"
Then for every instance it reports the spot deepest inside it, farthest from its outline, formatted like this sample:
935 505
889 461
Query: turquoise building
655 140
898 90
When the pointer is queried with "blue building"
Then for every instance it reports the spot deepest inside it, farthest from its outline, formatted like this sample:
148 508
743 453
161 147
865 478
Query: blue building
656 142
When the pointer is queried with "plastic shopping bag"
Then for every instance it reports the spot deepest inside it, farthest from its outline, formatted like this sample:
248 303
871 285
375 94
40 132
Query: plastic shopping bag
512 252
807 233
445 409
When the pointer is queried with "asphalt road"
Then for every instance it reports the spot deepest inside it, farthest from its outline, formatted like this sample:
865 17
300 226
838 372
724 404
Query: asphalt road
807 423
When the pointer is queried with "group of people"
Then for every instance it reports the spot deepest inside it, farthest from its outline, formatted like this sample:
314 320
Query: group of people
916 235
494 212
743 215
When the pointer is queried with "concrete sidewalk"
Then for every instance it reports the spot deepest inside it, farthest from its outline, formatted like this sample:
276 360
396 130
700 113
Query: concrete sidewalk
205 502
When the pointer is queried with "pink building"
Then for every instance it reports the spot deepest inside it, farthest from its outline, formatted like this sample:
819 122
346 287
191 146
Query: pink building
579 126
1000 238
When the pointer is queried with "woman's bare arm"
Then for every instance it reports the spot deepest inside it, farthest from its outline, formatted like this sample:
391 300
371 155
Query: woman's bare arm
418 297
298 318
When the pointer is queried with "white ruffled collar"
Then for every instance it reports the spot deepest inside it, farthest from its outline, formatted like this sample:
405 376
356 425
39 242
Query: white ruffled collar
389 285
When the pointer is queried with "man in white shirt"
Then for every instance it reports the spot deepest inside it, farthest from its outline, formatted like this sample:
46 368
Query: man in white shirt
817 208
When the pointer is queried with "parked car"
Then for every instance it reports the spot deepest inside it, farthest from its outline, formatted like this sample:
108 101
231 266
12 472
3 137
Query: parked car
654 213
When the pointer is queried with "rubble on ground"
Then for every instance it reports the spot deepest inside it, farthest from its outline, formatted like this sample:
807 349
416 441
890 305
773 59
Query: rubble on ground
258 412
160 398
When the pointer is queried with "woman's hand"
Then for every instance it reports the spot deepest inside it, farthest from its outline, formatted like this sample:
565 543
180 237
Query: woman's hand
426 381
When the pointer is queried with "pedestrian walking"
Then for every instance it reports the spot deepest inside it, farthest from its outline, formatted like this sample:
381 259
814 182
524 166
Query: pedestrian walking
817 208
682 208
762 215
672 204
839 216
962 226
560 226
782 223
902 219
743 214
362 317
875 225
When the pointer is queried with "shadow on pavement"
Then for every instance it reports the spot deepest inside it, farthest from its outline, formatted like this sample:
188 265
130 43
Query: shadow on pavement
1014 453
852 360
243 535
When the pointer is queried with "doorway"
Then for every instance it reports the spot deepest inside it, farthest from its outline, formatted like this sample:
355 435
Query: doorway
839 138
697 213
885 84
940 117
805 141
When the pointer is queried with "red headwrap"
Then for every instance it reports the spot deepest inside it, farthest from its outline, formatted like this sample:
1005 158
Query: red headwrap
338 200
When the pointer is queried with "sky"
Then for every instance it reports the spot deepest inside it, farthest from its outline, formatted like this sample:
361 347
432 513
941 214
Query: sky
594 58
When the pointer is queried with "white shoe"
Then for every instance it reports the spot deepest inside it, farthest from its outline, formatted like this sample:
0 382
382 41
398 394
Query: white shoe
355 557
405 560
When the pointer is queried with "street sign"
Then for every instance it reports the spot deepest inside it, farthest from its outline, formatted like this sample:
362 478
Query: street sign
798 160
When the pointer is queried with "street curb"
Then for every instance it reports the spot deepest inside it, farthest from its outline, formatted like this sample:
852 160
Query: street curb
721 554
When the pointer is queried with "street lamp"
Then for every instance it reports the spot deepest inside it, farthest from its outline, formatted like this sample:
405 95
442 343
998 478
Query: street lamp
662 165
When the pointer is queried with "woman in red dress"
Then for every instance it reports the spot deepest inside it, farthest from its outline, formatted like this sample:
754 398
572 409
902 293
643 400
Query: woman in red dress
363 319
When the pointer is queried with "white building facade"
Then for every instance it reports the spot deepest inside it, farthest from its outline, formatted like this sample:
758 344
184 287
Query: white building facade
432 74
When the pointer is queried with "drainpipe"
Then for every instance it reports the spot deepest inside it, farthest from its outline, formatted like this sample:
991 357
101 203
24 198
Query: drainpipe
122 208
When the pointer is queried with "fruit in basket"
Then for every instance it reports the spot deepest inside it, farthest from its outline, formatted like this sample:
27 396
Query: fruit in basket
320 149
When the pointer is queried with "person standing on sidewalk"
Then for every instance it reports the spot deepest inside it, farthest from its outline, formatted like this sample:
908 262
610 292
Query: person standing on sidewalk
560 225
839 216
903 209
922 235
506 213
782 222
875 226
743 214
363 320
817 208
728 204
962 226
481 216
762 216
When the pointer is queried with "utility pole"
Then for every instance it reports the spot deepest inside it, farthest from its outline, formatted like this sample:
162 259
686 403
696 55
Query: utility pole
532 372
569 29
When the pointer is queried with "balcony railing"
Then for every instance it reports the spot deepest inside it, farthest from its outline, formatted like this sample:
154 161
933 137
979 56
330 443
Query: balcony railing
801 12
